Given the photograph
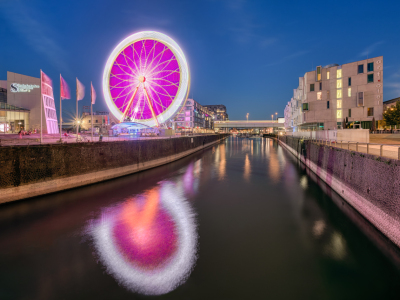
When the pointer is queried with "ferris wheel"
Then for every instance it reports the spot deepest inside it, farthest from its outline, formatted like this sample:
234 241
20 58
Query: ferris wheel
146 79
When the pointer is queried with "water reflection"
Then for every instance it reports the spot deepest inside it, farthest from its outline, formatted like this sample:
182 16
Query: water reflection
148 243
247 168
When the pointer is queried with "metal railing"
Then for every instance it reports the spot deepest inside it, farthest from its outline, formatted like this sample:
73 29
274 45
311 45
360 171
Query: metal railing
385 150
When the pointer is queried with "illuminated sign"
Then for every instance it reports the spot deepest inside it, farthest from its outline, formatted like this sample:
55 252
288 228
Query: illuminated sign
23 88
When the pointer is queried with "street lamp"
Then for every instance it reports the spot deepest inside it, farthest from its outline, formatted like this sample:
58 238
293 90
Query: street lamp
276 115
247 116
272 117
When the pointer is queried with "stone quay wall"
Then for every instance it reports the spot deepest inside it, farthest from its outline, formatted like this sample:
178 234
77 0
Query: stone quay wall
371 184
28 171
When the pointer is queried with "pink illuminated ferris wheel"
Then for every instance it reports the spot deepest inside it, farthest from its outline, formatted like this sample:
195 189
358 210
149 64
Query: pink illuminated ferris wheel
146 79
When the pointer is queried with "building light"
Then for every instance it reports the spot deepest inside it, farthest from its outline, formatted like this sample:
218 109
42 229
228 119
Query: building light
339 114
349 92
319 96
339 73
327 75
339 94
339 104
339 83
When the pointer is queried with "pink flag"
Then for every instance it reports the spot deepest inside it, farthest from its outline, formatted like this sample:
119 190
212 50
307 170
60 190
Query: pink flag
80 90
64 89
93 92
47 85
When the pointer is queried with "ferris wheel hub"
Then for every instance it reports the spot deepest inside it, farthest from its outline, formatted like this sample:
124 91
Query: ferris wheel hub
142 78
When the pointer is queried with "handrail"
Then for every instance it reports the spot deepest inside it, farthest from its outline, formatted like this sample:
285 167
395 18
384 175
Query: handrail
357 144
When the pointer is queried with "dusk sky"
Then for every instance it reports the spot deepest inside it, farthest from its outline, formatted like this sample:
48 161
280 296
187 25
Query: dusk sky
246 55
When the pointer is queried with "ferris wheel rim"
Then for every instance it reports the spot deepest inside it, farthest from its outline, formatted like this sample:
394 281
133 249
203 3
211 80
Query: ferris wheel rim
184 82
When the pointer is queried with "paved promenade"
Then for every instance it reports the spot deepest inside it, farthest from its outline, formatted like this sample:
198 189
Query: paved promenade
34 139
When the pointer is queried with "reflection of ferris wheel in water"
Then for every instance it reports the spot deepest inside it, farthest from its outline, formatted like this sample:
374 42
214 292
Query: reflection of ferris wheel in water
146 79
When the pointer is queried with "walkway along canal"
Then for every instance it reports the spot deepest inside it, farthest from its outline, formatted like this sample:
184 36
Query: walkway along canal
242 219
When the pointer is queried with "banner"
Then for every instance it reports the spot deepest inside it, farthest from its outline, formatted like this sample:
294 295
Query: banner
93 94
80 90
65 93
49 108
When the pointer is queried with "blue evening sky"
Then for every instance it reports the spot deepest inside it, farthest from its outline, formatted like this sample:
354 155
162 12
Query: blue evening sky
247 55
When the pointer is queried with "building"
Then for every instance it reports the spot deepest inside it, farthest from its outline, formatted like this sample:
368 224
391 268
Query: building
193 117
20 107
219 112
335 96
102 120
390 103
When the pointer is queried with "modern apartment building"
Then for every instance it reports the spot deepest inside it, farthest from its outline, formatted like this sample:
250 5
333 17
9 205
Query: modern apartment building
219 112
194 116
337 96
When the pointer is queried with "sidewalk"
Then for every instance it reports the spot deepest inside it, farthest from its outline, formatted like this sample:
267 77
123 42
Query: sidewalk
34 139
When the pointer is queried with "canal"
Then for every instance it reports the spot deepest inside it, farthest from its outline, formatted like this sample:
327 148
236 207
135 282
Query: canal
240 220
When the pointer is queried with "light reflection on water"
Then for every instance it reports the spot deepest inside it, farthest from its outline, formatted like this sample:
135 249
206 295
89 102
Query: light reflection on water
148 243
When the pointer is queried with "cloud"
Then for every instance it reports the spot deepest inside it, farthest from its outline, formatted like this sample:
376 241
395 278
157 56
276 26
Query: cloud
367 51
287 58
244 28
36 34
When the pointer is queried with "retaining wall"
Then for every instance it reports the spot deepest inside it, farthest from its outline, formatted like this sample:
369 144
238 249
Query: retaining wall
371 184
28 171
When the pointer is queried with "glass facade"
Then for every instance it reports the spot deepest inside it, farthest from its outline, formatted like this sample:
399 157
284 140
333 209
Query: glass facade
13 119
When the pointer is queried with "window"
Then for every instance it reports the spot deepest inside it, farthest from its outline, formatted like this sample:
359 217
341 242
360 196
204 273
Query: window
349 81
97 121
349 92
339 83
312 87
339 104
327 75
360 69
89 121
370 111
339 114
305 106
328 95
320 86
349 112
319 96
339 94
327 104
370 67
318 74
370 78
360 99
339 73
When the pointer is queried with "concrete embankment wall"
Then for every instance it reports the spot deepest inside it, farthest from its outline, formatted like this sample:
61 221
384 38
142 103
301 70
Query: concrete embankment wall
371 184
28 171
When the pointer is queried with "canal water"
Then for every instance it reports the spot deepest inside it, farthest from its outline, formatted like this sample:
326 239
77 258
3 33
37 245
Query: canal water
240 220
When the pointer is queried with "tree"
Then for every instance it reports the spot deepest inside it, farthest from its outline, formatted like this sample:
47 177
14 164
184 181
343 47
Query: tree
373 127
392 115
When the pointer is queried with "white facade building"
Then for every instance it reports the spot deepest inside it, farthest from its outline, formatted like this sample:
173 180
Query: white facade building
336 96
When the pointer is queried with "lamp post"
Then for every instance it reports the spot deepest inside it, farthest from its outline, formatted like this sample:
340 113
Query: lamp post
247 116
276 114
272 117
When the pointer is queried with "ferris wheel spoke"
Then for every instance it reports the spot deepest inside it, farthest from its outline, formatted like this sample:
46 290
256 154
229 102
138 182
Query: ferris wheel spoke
167 62
150 106
126 73
165 80
154 51
161 54
127 64
170 72
133 57
129 103
158 96
167 94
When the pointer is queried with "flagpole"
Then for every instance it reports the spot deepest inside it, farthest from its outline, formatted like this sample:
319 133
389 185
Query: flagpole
41 105
60 111
76 107
91 107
